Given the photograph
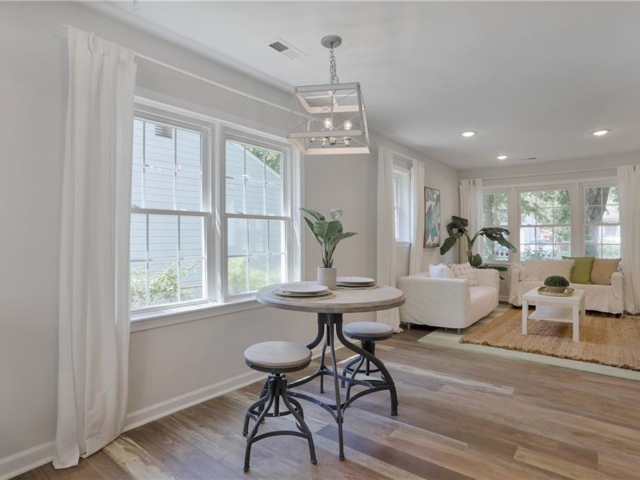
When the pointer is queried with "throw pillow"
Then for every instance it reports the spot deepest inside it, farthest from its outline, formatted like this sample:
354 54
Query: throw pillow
440 271
465 271
602 270
581 272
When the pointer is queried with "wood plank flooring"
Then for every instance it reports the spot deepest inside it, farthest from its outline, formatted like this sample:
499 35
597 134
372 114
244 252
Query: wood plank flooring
462 415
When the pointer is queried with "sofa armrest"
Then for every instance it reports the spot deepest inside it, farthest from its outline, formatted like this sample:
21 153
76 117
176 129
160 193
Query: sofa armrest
434 298
488 277
617 285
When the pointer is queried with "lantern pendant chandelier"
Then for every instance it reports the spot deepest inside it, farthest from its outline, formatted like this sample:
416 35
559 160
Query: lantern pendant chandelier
329 119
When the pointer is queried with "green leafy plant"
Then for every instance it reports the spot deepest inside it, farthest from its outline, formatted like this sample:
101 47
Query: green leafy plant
328 233
556 281
457 229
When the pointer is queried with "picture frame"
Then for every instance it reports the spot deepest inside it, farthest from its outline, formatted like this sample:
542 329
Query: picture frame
432 224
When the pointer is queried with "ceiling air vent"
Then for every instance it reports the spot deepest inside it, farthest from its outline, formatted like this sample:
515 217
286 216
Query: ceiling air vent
286 49
528 159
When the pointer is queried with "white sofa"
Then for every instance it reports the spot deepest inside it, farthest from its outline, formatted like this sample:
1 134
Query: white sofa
448 302
532 273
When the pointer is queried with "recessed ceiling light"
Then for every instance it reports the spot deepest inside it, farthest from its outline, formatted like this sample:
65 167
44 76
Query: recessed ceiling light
502 157
468 134
600 133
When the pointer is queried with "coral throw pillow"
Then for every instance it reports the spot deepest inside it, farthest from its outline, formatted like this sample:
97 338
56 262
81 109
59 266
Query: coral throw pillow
464 270
602 270
581 272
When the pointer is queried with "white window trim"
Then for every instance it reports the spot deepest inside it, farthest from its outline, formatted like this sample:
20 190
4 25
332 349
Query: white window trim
495 191
213 179
576 191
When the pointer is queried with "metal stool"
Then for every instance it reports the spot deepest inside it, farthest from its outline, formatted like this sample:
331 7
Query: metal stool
276 359
368 333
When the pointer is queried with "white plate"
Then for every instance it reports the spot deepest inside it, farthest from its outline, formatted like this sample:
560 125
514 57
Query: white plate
284 293
356 280
304 288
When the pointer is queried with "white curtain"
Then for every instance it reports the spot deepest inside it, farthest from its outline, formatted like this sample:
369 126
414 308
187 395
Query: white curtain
94 258
417 217
471 209
386 253
629 189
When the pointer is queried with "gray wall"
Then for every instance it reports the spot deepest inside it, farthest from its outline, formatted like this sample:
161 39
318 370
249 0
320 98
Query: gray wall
165 362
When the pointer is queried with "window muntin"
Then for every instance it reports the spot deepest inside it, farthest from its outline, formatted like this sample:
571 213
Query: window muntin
256 224
495 213
167 246
601 221
545 224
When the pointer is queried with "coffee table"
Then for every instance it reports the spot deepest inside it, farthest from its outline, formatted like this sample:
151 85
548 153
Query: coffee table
554 309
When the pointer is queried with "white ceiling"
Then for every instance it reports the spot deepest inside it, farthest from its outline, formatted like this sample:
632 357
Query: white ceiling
533 79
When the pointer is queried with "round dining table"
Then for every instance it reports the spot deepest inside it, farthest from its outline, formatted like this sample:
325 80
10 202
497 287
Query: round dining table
330 311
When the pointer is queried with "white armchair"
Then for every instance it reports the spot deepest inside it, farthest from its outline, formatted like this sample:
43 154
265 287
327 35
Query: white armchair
448 302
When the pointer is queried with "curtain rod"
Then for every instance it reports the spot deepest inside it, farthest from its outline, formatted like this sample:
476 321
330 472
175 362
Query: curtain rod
507 177
198 77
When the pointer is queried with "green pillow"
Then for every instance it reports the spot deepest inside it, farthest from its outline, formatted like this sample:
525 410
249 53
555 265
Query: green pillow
581 272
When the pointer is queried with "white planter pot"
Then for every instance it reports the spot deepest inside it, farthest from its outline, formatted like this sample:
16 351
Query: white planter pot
327 277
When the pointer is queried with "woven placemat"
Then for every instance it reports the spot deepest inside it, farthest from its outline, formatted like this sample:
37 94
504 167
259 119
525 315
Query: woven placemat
303 299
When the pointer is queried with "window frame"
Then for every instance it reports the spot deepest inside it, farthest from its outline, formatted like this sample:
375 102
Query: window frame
576 192
233 134
583 221
215 132
402 178
482 240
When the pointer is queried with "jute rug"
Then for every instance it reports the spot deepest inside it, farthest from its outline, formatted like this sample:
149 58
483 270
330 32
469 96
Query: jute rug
604 340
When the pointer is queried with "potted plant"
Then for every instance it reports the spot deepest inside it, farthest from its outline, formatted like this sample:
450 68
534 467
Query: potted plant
457 229
556 284
328 233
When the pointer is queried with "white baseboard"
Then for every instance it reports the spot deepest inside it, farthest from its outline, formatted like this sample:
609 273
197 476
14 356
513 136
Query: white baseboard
37 456
21 462
503 298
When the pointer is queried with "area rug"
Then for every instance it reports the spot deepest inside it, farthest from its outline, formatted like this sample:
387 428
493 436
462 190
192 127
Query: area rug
603 340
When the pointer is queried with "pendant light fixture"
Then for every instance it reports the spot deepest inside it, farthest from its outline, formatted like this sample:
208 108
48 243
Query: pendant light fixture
329 119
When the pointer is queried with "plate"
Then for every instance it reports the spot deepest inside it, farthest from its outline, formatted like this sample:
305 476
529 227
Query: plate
301 289
356 281
284 293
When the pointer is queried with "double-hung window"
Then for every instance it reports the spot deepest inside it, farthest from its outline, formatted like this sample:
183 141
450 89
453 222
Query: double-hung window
402 204
545 224
211 213
601 221
495 213
169 219
257 213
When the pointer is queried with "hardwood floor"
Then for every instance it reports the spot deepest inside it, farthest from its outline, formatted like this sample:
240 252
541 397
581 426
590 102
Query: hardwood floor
462 415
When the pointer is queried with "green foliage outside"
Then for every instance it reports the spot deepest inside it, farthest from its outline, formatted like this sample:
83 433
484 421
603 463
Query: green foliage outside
258 277
272 158
163 287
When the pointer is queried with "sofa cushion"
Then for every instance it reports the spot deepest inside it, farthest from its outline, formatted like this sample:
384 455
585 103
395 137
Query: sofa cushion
464 271
602 270
541 269
440 271
581 272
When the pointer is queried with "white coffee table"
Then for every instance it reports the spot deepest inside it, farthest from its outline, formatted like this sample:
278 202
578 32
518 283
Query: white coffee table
554 309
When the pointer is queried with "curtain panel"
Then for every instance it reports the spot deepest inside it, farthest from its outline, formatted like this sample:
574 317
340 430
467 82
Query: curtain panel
629 189
94 257
386 248
417 217
471 209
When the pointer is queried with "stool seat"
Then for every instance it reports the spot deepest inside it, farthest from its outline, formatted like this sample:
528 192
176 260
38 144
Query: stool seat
278 355
368 331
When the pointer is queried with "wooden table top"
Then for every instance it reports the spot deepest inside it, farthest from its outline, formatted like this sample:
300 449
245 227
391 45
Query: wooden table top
344 301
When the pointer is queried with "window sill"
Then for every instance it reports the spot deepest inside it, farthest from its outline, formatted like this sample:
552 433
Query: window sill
174 316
